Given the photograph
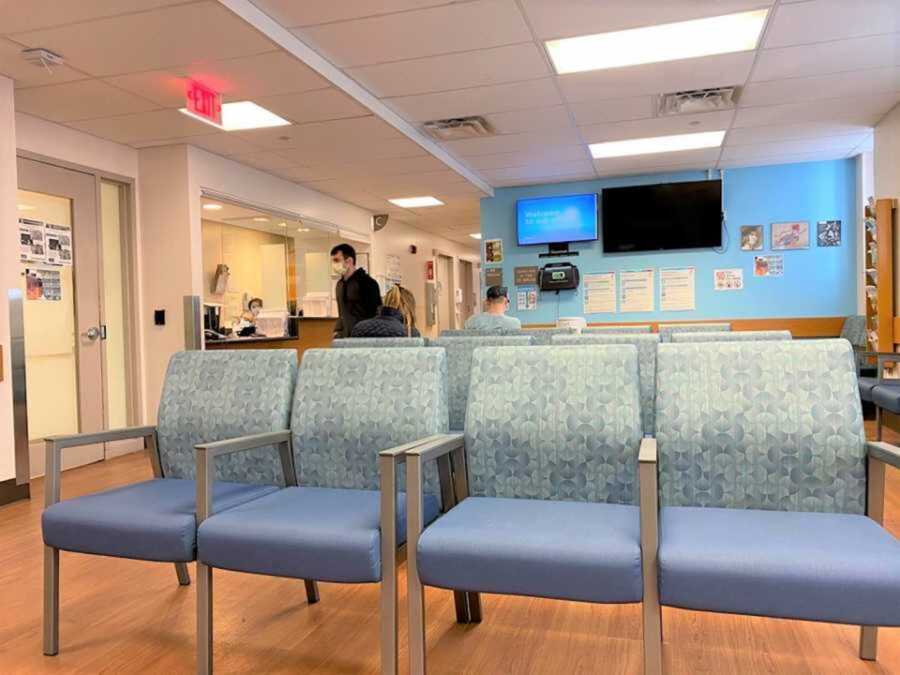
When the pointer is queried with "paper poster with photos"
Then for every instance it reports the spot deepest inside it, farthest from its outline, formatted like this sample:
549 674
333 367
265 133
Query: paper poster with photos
752 238
42 285
526 298
493 251
828 233
768 266
32 247
790 236
728 279
59 244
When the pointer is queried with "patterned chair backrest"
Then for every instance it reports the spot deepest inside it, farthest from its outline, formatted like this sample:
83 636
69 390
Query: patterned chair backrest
854 330
666 330
732 336
459 367
747 425
646 348
644 328
559 423
215 395
543 336
340 423
358 343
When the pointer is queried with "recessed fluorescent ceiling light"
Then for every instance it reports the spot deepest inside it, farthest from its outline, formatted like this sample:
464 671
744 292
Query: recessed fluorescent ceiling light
657 144
415 202
653 44
242 115
475 235
212 207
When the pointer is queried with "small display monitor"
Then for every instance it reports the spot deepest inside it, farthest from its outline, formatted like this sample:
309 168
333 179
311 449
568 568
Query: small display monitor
556 220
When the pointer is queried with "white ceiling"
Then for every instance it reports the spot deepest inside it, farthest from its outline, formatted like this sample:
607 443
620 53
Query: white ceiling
825 73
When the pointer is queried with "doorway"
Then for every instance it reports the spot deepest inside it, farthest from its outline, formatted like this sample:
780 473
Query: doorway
446 303
76 339
469 289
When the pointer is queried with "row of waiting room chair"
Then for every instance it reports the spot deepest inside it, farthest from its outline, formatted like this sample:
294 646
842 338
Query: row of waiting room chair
759 452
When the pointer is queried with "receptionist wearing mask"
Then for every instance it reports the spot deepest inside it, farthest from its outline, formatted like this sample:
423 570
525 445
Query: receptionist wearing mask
247 324
358 296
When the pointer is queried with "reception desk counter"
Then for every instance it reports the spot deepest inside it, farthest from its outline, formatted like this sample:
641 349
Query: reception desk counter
314 332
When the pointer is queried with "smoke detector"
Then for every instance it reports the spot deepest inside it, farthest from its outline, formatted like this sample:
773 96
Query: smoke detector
698 101
458 128
42 58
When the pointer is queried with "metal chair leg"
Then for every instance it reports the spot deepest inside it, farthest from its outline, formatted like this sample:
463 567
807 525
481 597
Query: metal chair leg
468 606
868 643
51 601
204 619
312 591
184 577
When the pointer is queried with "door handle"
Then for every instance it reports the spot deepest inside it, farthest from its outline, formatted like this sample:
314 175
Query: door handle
93 333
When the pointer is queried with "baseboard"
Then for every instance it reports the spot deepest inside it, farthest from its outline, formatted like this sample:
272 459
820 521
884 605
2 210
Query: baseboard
10 492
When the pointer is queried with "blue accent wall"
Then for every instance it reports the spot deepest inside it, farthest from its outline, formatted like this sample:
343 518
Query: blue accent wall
819 281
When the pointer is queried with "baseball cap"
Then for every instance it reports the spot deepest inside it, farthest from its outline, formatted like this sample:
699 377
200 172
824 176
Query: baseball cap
496 292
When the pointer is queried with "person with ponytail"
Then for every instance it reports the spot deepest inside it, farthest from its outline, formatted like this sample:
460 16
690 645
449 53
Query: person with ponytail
395 318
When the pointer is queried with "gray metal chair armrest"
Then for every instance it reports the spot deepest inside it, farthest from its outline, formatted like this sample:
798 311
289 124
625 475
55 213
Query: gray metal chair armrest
649 515
54 445
884 452
208 452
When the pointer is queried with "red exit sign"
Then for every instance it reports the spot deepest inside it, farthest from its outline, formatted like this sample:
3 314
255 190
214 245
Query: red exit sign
204 102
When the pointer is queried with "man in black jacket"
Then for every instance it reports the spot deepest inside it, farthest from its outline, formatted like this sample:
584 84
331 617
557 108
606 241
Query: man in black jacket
358 296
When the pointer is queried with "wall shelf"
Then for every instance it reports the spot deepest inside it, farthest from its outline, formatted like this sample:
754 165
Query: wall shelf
879 273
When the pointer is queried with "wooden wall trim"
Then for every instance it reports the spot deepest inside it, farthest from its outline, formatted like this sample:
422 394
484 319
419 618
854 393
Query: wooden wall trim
814 326
10 492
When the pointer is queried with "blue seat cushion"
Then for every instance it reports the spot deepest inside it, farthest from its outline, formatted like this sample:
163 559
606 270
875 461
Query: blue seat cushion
552 549
330 534
834 567
887 396
153 520
866 384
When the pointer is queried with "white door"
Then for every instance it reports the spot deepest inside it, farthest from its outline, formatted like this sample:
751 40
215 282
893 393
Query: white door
444 284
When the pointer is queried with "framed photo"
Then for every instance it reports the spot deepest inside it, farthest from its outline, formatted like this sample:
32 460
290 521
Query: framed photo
493 251
790 236
752 238
828 233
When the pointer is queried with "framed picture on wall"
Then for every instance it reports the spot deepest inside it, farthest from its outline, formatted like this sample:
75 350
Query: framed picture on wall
790 236
828 233
752 238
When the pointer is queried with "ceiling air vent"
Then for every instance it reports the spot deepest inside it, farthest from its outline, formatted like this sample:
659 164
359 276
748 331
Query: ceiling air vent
42 57
698 101
458 128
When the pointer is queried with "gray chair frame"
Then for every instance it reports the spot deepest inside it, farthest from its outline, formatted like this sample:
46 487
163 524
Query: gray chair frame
450 452
881 359
388 464
53 449
879 454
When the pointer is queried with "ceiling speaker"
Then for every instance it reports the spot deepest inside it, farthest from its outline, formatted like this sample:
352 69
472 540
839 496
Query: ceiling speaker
379 220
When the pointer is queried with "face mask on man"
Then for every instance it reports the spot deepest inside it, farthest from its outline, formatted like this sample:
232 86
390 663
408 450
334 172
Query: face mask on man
338 267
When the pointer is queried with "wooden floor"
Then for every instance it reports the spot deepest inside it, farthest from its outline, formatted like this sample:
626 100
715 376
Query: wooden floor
126 616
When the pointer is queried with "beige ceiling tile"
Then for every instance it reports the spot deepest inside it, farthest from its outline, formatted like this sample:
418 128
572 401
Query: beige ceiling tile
828 57
657 78
822 20
25 74
492 145
725 163
267 74
414 34
865 110
152 40
658 126
148 126
535 119
496 98
579 167
222 143
567 18
84 99
163 87
347 131
613 110
26 15
314 106
310 155
826 144
788 132
309 12
453 71
861 83
520 158
696 159
264 160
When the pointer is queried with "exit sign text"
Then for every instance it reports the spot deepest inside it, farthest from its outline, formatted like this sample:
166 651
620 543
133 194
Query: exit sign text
204 102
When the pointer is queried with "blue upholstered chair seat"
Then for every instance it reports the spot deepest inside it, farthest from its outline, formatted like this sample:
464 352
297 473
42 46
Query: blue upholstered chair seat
554 549
886 395
330 534
866 384
841 568
153 520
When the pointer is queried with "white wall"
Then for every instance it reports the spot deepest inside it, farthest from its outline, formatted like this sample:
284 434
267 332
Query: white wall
9 267
865 188
395 239
887 174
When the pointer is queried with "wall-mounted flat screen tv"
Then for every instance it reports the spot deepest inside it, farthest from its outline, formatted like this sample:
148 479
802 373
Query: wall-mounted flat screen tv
662 217
556 220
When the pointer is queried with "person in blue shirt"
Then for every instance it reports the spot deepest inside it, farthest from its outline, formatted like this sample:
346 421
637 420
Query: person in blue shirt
494 316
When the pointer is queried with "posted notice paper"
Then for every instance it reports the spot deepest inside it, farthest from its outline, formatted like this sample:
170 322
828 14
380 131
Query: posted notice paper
676 289
636 291
600 293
